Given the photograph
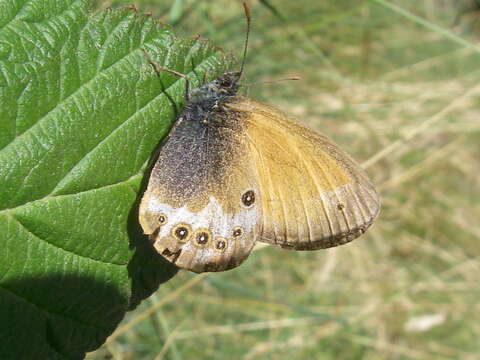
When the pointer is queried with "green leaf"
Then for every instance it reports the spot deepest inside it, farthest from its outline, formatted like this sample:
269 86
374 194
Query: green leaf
81 114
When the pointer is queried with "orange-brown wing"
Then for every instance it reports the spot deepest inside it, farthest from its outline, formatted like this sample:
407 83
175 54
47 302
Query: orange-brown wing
313 195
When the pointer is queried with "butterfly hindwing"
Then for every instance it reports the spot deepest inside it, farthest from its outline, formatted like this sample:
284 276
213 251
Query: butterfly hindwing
200 209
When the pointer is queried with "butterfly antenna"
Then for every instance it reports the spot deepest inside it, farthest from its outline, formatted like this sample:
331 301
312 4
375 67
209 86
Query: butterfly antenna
248 86
159 68
247 35
274 81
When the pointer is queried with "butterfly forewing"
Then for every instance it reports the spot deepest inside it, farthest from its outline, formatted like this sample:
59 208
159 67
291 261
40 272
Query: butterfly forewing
312 194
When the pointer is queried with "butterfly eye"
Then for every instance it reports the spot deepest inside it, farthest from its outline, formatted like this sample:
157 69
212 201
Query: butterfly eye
340 206
237 232
202 237
162 219
181 232
248 198
220 244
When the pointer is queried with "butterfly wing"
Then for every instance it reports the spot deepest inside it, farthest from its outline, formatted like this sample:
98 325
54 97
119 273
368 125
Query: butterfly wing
198 209
313 195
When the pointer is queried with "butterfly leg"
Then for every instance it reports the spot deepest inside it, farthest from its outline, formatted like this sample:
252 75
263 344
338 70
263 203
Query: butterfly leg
159 68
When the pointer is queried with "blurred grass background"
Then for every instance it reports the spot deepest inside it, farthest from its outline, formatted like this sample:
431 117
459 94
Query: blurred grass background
396 83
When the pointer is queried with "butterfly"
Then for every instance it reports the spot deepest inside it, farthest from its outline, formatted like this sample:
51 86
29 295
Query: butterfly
234 171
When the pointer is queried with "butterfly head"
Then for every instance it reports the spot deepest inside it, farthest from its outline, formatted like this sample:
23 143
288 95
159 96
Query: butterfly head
222 87
228 83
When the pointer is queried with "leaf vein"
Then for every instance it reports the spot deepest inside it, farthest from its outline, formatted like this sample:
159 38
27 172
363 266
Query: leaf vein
14 17
49 312
58 247
118 128
73 95
105 45
126 182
